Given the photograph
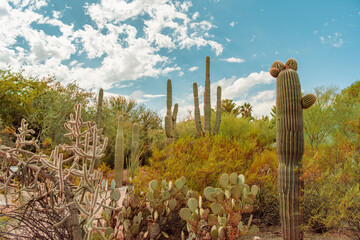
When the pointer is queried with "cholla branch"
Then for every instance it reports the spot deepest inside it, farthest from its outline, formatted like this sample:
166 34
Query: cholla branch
51 202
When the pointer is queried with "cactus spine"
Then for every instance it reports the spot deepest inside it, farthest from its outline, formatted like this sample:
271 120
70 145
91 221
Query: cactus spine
99 108
207 105
289 144
119 152
170 118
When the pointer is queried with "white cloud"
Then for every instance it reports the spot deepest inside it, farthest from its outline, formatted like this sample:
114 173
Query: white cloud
236 87
118 85
262 103
232 24
121 50
233 60
153 95
57 14
193 69
334 40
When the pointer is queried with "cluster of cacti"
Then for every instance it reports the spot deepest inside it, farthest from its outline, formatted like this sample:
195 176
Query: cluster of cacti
170 118
229 203
131 215
46 179
207 106
152 216
165 200
119 151
289 143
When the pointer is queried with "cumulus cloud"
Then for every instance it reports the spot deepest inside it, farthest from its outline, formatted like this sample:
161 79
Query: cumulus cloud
239 87
262 102
233 60
193 69
123 50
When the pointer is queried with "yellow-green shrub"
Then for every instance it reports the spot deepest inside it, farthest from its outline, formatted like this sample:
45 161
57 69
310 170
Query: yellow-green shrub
332 188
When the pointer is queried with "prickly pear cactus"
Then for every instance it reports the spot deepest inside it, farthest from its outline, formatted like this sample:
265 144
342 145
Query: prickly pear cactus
170 118
132 215
228 204
207 106
289 143
165 200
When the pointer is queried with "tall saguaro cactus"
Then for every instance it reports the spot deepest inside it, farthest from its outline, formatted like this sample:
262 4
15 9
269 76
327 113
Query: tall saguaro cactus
99 108
119 152
134 159
289 144
170 118
207 105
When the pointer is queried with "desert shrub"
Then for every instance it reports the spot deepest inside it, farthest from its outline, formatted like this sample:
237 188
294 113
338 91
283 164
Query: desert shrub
185 128
331 193
263 173
200 160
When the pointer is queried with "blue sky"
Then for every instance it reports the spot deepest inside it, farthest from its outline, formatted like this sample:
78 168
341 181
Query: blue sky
131 48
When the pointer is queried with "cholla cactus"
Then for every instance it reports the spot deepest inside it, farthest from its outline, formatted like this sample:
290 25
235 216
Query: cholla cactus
289 143
207 106
46 180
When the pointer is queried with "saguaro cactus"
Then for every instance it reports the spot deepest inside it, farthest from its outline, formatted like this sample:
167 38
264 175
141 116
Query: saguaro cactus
133 161
99 108
170 118
134 147
289 144
207 106
119 152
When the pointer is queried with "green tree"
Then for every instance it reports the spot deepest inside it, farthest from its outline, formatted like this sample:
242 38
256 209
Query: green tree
148 120
273 116
245 110
53 107
319 120
17 94
228 106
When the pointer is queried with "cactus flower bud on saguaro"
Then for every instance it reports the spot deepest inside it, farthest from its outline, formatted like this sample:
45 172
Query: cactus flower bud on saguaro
289 144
